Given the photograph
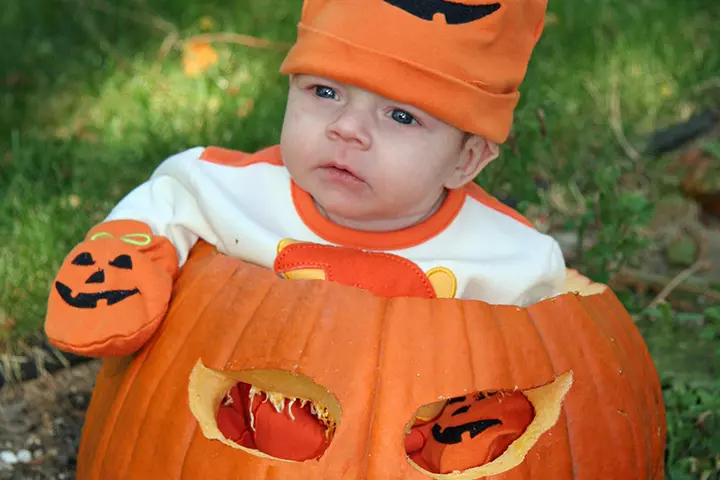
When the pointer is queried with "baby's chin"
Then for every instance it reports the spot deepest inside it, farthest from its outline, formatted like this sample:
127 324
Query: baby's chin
364 219
347 210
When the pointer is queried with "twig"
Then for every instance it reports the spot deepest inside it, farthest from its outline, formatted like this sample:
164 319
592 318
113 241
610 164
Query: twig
713 82
700 264
237 38
677 281
172 35
699 288
615 117
102 42
59 355
168 44
154 21
616 122
173 40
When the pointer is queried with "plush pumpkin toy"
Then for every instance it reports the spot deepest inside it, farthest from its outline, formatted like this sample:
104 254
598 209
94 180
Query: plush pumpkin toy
114 274
399 388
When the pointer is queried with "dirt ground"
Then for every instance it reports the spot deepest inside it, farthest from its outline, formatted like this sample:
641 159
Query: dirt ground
41 421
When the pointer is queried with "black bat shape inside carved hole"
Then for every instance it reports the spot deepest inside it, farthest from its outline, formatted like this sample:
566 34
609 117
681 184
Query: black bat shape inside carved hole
452 435
455 13
90 300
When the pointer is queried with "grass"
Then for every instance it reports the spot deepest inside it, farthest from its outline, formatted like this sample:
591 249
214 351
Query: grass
88 109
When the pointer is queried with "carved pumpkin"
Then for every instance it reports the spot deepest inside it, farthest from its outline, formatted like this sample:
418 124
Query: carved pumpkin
371 368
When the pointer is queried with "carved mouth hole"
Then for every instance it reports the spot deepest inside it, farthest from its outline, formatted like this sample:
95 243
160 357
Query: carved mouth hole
269 413
484 433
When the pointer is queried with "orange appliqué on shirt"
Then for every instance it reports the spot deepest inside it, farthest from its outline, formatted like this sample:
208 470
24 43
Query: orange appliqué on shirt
380 273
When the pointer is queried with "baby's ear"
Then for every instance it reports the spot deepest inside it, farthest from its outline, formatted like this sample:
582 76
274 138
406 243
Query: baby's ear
477 153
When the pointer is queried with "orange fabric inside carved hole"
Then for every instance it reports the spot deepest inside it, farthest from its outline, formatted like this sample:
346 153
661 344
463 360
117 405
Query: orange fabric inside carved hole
469 432
299 437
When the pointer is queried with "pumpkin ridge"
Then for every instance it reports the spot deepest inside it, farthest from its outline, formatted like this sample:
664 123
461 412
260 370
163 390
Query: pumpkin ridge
512 333
600 376
471 357
313 329
511 370
624 383
114 412
95 435
251 320
234 285
541 341
494 323
649 371
286 319
140 407
312 301
646 409
376 393
643 409
563 408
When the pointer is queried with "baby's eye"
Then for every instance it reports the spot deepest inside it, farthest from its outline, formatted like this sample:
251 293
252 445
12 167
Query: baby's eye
401 116
325 92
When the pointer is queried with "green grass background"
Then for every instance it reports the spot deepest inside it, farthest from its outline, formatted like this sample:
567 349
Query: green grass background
88 109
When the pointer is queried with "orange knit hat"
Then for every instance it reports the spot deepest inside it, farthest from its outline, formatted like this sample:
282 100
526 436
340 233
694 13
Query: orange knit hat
461 62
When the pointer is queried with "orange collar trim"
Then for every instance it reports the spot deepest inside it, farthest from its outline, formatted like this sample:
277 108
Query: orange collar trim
395 240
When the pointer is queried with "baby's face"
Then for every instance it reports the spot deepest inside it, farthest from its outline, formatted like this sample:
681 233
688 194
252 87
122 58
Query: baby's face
363 157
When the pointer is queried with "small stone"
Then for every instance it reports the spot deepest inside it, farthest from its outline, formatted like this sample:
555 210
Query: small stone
63 460
24 456
38 453
682 251
8 457
33 441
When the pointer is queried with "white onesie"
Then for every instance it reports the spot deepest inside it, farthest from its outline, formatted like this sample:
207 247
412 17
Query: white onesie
247 204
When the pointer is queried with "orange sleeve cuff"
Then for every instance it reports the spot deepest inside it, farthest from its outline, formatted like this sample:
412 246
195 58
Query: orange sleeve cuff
157 247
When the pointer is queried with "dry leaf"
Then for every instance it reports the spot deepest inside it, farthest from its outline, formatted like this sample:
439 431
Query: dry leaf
246 107
702 419
207 23
73 200
197 58
551 19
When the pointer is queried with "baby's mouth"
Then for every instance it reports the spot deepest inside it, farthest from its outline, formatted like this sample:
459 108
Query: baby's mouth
341 173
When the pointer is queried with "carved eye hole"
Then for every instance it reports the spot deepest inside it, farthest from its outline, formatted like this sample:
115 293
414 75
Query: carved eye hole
122 261
468 431
482 434
268 413
84 259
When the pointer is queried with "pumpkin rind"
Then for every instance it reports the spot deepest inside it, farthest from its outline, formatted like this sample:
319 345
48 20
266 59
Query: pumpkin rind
382 359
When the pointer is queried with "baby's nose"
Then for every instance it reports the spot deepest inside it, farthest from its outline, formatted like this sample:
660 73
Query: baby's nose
352 128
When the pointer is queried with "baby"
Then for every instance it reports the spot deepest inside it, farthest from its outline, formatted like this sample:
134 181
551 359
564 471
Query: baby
394 107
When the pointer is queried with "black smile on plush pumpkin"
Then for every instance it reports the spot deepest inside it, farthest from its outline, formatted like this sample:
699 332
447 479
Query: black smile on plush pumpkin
455 13
90 300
